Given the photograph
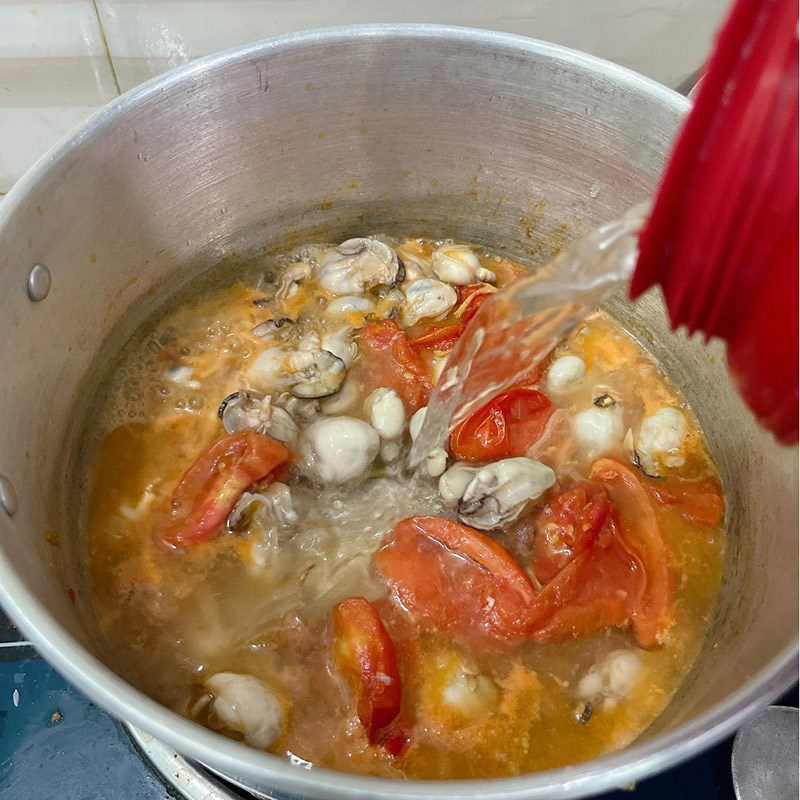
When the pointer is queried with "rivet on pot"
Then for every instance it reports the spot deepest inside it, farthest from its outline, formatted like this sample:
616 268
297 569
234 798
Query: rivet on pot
39 282
8 496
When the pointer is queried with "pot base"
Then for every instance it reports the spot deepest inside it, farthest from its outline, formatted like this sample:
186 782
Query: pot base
185 778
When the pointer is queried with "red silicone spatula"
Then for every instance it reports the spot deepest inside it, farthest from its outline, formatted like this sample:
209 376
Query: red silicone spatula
722 240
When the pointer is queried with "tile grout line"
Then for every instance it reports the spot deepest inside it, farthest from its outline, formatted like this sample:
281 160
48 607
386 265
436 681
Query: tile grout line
105 46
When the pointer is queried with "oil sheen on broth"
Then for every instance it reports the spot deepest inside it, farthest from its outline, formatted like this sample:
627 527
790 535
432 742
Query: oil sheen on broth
259 571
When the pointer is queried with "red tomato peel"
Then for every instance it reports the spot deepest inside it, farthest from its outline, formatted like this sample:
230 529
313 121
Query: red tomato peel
388 359
457 580
364 654
640 534
209 489
698 501
507 426
443 336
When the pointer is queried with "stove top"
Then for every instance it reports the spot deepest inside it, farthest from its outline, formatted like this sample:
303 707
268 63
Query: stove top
55 744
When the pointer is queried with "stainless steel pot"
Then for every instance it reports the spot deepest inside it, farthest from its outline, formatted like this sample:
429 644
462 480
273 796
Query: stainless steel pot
492 138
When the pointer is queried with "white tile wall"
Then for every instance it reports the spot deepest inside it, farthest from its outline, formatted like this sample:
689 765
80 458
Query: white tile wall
665 39
61 59
54 71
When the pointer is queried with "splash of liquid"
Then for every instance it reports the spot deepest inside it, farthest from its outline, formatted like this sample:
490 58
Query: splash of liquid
518 326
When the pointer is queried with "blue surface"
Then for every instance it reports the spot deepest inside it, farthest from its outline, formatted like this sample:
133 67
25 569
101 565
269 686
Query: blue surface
84 755
56 745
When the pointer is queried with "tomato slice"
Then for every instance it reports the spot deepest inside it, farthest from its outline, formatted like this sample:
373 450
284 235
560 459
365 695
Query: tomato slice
598 552
698 501
592 592
442 336
568 525
457 580
462 583
364 655
209 489
507 426
600 555
586 572
639 533
396 738
513 352
389 360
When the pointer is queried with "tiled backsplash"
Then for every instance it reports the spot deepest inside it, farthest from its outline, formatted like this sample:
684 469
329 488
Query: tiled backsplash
54 71
60 60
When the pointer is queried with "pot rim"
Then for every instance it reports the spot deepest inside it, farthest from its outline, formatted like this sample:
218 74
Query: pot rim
123 700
